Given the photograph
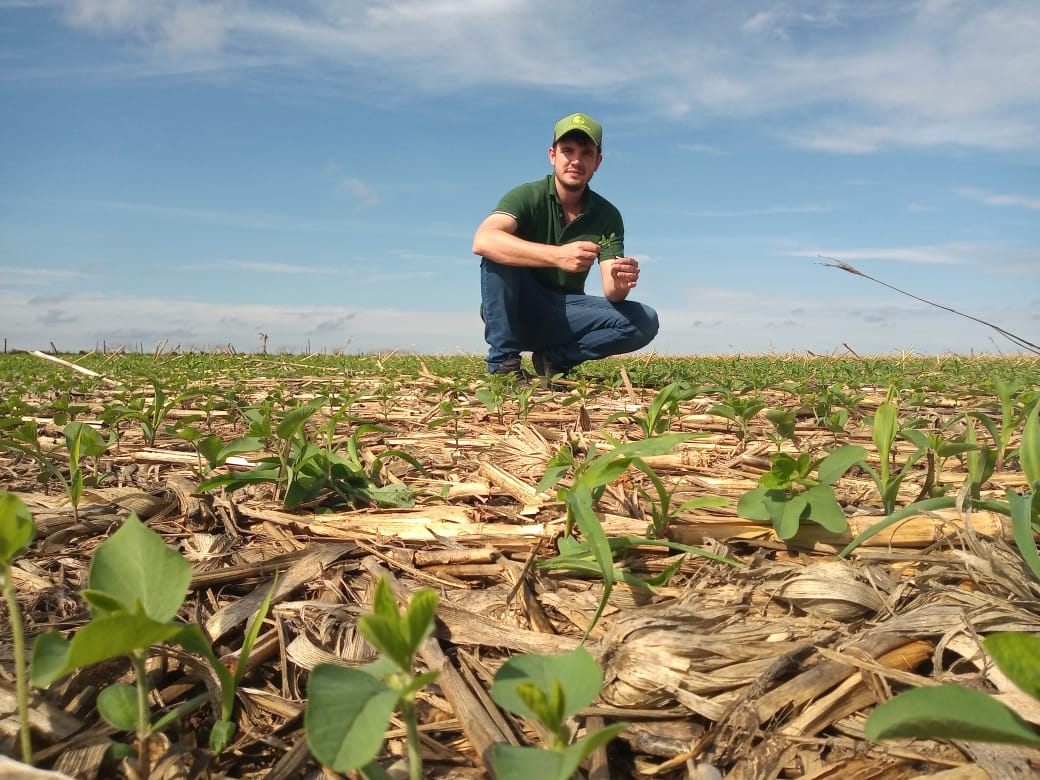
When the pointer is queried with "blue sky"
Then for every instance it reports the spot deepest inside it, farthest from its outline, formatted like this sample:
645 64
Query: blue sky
198 173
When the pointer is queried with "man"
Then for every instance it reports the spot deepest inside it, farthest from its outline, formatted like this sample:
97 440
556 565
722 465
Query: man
536 250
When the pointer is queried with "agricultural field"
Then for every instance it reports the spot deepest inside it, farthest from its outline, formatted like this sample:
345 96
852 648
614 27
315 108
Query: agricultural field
305 566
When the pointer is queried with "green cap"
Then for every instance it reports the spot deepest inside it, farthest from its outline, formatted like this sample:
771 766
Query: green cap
582 122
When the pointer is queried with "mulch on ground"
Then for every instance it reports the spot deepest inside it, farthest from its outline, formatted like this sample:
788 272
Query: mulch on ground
763 670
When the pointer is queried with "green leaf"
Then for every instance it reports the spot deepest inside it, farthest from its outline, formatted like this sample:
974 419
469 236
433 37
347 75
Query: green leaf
1018 656
216 453
825 509
791 517
1022 529
398 635
17 530
1029 449
373 771
545 706
346 716
916 508
390 496
100 639
586 746
753 505
117 705
102 603
579 503
948 712
221 735
782 470
883 431
234 480
523 763
82 439
49 654
420 613
135 566
182 710
833 467
252 632
577 673
192 639
297 417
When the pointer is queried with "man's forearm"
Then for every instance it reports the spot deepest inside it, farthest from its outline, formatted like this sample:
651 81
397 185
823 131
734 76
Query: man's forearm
507 249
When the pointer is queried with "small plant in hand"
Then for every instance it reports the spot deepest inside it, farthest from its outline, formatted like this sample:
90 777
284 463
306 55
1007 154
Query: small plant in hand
606 243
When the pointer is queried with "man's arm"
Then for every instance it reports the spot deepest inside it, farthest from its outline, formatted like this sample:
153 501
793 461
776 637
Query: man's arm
619 276
496 240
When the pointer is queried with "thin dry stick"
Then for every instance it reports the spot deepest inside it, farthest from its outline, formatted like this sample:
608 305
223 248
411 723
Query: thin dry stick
842 265
74 367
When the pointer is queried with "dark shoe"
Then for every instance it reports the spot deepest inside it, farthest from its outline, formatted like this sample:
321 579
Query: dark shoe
512 368
543 366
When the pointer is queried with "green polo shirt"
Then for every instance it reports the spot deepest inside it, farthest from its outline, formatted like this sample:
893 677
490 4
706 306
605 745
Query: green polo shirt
539 217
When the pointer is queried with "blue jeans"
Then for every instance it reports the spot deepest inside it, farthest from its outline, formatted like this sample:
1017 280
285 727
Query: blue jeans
521 314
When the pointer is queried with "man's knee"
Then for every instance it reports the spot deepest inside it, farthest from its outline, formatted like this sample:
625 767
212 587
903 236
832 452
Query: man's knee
653 324
646 325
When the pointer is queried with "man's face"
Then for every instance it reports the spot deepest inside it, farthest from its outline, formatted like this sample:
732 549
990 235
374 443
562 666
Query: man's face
574 159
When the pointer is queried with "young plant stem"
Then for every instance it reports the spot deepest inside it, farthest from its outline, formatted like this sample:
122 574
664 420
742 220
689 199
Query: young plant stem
414 743
21 685
139 659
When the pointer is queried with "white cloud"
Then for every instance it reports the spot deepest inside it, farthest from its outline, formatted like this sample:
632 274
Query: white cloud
88 320
33 277
808 208
872 323
194 28
109 16
703 149
251 266
993 199
995 258
220 217
855 77
363 192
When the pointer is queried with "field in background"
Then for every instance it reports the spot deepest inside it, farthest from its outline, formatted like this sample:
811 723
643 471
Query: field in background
764 649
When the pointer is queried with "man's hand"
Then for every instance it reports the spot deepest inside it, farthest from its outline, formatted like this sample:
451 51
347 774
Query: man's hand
577 256
625 272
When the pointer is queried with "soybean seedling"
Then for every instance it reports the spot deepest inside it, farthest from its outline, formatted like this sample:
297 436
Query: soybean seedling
661 411
16 534
136 587
82 442
550 689
741 410
348 710
788 493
